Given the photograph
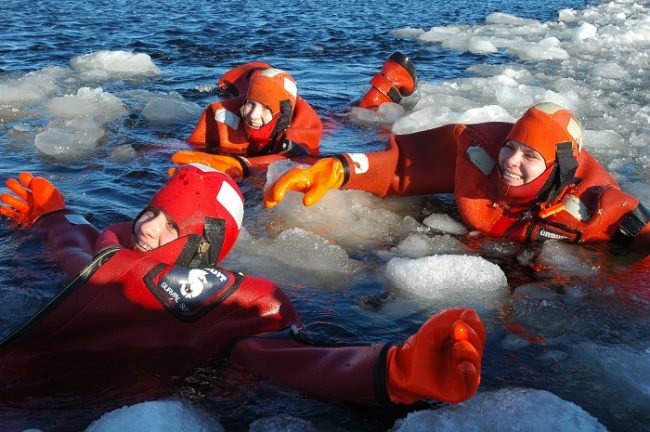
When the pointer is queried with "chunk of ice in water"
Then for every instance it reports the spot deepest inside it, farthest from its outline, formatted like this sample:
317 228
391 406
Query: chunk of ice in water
504 410
454 278
156 416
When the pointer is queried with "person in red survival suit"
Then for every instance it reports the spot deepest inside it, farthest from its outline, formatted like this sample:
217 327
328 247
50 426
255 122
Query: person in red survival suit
397 79
265 117
155 283
530 180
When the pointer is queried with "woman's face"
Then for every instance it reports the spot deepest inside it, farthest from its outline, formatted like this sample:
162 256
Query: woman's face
256 114
520 164
153 229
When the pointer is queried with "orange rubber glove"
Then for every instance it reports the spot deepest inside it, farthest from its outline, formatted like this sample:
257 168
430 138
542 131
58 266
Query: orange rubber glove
442 361
314 182
36 197
227 164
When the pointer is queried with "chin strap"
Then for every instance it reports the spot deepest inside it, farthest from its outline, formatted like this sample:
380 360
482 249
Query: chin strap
284 119
207 251
564 176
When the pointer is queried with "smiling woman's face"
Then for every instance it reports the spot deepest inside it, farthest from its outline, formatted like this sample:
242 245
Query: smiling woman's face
256 114
153 229
520 164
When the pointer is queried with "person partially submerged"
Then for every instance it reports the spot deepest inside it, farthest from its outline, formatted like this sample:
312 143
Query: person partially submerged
154 285
531 180
268 121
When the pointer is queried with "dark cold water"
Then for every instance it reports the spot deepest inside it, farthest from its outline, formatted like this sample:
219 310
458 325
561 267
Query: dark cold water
572 321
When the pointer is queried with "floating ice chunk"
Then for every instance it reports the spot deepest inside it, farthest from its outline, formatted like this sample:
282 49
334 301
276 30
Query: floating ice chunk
481 46
585 31
22 127
421 119
441 34
546 49
507 19
281 423
123 153
444 223
35 87
349 218
452 278
170 110
407 32
383 117
87 102
507 409
390 111
602 139
568 258
418 245
434 116
513 97
110 64
610 70
156 416
488 113
302 249
567 15
621 372
68 141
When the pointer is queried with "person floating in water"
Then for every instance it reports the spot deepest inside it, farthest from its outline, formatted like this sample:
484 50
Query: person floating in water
154 285
268 121
531 180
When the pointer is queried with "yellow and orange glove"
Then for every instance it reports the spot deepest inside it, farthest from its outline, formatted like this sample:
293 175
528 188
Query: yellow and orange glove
227 164
314 182
442 361
36 197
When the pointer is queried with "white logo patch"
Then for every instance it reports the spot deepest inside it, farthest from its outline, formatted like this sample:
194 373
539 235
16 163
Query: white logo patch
196 282
226 117
481 159
360 161
231 201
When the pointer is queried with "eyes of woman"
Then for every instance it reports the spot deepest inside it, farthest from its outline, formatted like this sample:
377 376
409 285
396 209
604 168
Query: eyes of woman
153 213
528 153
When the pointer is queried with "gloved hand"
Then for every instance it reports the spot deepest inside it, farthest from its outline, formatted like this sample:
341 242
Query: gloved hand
227 164
36 197
442 361
314 182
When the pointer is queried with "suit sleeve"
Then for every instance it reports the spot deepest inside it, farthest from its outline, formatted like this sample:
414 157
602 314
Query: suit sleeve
70 240
414 164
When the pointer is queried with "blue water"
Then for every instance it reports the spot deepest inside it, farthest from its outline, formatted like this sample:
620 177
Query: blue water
332 48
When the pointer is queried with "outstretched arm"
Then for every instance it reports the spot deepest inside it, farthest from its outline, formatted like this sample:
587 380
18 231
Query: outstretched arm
70 238
414 164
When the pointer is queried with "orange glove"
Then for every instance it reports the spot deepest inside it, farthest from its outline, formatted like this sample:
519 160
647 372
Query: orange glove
227 164
36 197
442 361
314 182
